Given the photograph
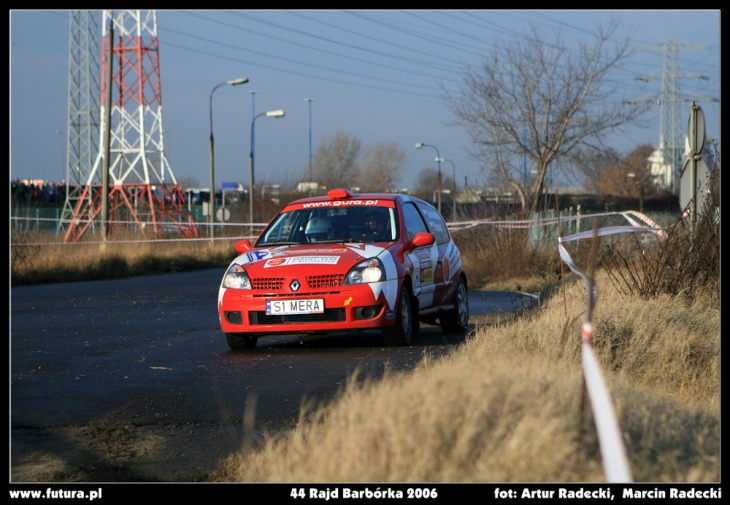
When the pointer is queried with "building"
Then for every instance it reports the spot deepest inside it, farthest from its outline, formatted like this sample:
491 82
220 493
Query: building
667 175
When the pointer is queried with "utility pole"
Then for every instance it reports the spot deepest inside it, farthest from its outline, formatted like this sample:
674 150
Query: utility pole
670 137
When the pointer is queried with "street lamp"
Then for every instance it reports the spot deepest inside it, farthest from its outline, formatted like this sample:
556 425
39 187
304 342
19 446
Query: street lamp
271 113
453 191
211 204
310 100
421 145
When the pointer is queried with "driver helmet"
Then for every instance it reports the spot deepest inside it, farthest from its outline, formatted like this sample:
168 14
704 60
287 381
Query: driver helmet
318 228
374 221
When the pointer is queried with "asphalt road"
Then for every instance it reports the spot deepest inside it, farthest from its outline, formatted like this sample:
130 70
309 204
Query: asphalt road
148 351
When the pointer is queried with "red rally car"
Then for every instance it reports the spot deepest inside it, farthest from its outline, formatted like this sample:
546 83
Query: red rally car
346 262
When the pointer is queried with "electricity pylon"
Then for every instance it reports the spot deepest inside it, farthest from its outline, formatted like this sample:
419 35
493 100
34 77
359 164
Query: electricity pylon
82 142
142 190
670 138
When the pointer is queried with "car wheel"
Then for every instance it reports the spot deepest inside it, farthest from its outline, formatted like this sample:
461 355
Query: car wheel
457 320
238 341
401 333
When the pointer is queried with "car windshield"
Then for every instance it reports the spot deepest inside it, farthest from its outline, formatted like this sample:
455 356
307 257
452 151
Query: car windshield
343 224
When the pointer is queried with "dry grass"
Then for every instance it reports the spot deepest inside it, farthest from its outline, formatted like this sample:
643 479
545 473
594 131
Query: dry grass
41 264
507 406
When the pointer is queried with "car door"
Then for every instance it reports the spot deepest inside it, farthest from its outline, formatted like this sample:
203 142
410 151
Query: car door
423 259
441 271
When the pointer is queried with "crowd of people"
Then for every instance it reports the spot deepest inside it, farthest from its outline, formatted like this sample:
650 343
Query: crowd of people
25 191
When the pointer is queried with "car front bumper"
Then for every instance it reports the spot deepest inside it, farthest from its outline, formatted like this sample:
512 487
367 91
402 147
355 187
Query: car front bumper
352 307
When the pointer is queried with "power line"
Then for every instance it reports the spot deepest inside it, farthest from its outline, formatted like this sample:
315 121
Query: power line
297 44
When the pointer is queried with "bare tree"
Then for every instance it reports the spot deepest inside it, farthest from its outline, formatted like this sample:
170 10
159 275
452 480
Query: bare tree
593 164
380 166
188 182
631 176
538 100
334 163
427 184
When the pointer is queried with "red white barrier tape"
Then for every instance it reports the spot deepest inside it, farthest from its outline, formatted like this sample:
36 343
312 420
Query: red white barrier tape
610 230
548 221
613 450
613 453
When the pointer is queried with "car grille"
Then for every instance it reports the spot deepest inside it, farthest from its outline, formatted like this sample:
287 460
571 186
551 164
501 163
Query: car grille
267 283
313 281
328 316
325 281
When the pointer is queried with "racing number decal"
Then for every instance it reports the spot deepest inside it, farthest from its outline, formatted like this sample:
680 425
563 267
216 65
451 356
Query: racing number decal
424 264
426 273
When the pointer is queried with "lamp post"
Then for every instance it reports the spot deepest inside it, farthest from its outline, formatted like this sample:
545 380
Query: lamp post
453 191
421 145
635 179
310 100
63 155
271 113
211 204
252 92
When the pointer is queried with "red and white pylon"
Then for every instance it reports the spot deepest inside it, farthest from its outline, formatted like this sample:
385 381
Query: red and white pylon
143 192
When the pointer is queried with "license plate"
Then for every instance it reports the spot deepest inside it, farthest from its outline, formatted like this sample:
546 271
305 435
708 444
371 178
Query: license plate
294 307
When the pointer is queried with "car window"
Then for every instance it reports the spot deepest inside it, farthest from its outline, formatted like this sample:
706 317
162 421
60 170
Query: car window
366 224
283 229
413 220
435 222
342 224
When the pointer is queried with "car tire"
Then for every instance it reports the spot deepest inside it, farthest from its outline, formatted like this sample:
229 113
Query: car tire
237 341
457 320
401 333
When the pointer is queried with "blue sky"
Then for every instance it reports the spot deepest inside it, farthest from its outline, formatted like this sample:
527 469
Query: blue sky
373 74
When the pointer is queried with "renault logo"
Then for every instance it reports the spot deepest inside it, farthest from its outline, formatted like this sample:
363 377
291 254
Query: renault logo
294 285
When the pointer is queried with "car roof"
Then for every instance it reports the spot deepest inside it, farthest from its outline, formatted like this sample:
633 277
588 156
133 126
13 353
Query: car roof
360 196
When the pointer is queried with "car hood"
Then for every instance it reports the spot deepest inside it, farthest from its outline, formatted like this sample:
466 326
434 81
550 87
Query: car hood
328 257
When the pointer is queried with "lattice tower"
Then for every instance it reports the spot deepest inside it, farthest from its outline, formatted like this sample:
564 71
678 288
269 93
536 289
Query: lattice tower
671 143
82 142
143 191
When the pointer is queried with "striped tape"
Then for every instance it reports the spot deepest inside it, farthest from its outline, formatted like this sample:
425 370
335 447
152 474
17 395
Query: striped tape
613 450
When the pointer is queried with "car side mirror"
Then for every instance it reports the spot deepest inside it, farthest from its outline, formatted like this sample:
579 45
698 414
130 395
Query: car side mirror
243 246
420 240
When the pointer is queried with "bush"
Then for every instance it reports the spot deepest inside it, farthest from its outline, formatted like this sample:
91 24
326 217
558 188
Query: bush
685 263
491 255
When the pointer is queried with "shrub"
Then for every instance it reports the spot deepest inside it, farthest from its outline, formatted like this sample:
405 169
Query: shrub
686 262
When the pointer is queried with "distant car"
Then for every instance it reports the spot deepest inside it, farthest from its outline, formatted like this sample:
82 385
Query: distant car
346 262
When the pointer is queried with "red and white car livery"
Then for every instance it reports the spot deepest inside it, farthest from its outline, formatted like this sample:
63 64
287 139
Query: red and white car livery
346 262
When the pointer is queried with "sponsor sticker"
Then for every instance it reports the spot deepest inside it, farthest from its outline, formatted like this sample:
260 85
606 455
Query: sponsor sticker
330 204
256 255
290 252
389 314
302 260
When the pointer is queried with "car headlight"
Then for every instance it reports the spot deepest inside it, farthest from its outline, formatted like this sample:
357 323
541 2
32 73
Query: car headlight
370 270
236 278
